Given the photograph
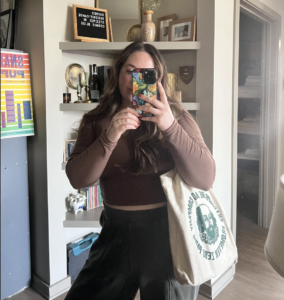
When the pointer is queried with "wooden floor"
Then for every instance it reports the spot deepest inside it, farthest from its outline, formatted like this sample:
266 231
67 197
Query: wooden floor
254 278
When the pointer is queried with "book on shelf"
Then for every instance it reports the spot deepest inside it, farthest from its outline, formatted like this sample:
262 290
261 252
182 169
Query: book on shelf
93 197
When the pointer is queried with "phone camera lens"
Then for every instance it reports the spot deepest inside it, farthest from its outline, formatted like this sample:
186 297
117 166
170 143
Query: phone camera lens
150 77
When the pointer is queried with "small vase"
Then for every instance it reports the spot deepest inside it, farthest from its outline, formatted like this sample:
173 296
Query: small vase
148 28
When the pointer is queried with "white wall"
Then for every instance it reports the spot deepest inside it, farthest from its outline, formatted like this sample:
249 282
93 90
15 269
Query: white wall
278 6
222 103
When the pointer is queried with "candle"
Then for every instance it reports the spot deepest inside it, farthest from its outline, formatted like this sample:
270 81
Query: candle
87 78
78 88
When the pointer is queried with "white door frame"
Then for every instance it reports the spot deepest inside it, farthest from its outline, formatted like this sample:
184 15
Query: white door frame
268 165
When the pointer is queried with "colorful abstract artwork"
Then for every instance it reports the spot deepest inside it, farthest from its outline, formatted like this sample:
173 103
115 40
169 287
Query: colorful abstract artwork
16 98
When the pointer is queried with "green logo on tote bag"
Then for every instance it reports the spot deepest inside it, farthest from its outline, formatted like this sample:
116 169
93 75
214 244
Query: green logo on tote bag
211 235
207 226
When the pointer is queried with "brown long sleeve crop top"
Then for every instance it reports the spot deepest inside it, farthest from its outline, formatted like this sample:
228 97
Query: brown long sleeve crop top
94 157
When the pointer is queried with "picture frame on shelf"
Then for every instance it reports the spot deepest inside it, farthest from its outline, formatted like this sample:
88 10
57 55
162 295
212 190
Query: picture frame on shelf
68 146
182 30
90 24
163 27
6 28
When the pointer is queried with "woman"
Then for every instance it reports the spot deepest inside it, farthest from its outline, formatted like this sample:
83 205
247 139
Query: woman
128 153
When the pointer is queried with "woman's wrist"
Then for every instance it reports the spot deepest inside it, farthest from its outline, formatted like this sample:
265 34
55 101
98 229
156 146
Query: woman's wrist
167 125
111 137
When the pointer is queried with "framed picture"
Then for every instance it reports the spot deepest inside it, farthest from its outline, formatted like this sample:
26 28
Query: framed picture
182 30
68 147
163 27
90 24
6 28
8 5
110 30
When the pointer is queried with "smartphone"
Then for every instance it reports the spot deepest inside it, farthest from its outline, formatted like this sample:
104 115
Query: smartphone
144 83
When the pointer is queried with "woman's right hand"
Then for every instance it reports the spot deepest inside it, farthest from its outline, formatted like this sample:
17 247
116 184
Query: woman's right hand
125 119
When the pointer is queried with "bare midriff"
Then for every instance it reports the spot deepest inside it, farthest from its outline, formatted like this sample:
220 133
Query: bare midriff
138 207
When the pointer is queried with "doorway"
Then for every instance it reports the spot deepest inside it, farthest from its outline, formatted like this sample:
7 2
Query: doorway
254 179
249 189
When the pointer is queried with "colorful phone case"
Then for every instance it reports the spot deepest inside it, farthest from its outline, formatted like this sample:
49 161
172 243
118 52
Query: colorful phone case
140 87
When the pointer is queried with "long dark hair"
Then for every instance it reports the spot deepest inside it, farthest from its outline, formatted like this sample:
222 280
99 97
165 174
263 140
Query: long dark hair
147 137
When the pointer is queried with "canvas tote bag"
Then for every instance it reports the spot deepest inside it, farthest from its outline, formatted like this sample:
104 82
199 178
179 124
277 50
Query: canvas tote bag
202 244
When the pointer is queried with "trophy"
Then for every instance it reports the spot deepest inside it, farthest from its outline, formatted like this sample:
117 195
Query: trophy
87 99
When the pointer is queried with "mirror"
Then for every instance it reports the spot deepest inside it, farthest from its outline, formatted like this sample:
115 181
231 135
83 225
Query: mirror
124 14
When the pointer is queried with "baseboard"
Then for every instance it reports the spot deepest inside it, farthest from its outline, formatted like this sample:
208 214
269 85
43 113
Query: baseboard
51 291
212 288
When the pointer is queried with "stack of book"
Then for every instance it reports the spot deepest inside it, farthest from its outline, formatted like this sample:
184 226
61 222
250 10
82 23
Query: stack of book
252 88
93 197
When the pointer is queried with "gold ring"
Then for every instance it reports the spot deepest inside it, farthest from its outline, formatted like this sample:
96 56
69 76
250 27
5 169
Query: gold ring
119 122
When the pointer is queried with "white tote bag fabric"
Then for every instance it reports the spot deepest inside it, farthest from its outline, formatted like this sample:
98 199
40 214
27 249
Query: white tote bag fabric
202 244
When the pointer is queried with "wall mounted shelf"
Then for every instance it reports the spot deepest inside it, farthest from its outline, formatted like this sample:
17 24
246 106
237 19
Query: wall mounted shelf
90 106
111 50
83 219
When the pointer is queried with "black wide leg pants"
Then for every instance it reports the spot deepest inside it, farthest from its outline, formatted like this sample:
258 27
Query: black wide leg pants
131 253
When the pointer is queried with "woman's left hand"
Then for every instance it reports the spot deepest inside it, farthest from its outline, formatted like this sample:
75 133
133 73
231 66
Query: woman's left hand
163 115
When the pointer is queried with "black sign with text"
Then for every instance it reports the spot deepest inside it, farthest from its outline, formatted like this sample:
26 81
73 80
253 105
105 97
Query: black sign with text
91 24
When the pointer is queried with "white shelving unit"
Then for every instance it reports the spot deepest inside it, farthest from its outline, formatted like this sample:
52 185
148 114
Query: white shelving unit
90 219
90 106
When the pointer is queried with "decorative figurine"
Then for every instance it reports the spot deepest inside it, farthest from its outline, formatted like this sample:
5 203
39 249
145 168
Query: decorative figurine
79 100
76 202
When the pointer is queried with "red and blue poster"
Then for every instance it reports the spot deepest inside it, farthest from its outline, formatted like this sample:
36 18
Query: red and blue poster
16 98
